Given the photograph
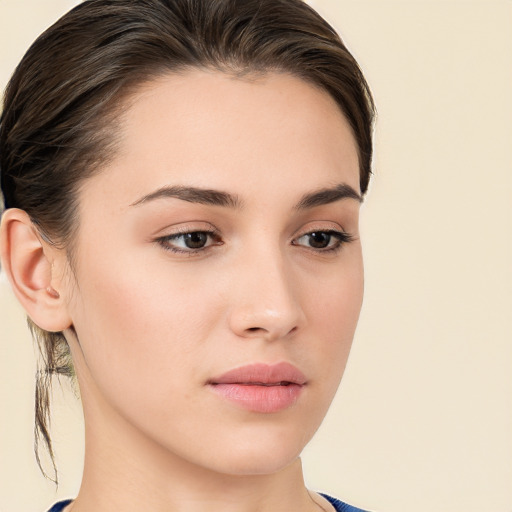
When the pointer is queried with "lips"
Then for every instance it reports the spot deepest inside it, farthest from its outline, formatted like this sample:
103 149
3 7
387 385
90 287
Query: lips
260 387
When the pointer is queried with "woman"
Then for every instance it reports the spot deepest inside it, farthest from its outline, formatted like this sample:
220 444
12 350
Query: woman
182 182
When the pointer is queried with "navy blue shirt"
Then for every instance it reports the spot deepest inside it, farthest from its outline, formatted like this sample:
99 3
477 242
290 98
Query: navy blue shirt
340 506
60 505
337 504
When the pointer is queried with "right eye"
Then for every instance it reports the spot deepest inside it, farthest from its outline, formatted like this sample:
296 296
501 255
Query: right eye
190 241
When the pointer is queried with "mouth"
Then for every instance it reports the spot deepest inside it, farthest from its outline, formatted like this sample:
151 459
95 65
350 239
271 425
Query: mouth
260 387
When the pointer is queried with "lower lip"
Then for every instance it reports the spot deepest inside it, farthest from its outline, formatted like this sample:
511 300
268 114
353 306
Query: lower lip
264 399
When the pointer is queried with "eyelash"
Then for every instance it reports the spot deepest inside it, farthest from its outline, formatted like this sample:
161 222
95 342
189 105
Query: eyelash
341 237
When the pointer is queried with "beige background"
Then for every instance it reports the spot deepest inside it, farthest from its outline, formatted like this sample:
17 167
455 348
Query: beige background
423 420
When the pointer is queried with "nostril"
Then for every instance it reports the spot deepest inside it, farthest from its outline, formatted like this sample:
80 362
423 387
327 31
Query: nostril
261 331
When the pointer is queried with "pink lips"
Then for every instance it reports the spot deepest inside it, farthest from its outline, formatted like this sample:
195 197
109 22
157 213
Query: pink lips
261 387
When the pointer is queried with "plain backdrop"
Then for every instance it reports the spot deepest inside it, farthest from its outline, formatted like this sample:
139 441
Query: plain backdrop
423 419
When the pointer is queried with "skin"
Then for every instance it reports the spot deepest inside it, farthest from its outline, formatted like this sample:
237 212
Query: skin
154 325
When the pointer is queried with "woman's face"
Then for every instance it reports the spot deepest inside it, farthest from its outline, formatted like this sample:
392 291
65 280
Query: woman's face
218 274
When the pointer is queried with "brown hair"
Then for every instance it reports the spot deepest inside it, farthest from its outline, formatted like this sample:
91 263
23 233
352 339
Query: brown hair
61 107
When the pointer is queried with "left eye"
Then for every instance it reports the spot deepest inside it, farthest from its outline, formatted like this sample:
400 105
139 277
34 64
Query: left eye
323 240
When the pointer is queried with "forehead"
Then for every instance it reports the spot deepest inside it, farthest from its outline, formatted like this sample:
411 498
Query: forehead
206 128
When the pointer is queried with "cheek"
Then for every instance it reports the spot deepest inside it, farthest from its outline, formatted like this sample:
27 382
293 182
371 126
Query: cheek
141 326
333 312
335 298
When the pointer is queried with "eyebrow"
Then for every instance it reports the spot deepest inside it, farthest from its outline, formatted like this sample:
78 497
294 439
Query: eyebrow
193 195
226 199
327 196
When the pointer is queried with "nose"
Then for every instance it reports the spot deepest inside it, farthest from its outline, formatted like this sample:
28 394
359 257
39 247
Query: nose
266 302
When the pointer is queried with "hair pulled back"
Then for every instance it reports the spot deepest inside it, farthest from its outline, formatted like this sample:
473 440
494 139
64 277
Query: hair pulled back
62 106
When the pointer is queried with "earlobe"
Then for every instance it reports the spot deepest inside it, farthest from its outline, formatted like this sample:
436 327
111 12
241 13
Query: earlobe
28 262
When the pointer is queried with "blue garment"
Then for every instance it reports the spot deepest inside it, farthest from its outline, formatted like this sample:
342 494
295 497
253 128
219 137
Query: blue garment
340 506
60 505
337 504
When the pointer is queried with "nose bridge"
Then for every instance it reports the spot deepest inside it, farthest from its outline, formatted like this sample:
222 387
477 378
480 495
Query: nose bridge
266 303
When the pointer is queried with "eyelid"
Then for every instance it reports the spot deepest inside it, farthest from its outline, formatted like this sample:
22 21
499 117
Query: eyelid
184 227
327 225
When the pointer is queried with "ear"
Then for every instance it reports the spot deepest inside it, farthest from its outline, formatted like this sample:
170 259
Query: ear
30 264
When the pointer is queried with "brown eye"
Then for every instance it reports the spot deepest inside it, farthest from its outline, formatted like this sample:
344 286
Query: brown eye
319 239
195 240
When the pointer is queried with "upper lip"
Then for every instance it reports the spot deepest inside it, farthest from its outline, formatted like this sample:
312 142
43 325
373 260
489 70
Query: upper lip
263 374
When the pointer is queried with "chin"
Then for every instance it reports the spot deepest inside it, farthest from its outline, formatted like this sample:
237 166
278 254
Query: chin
261 453
256 464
